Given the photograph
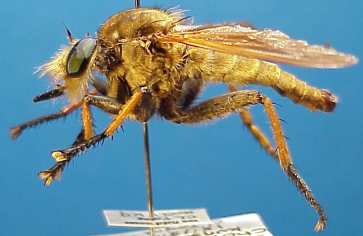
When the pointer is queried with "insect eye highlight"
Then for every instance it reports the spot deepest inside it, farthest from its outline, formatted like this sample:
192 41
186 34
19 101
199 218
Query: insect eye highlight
79 56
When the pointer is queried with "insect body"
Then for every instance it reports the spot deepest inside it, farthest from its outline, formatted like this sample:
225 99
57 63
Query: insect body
155 61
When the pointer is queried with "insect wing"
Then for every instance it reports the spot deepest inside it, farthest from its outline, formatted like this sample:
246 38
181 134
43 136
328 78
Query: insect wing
268 45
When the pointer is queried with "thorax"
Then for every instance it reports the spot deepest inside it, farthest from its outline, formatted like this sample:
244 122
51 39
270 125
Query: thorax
127 51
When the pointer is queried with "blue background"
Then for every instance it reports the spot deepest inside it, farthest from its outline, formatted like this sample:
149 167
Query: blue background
218 166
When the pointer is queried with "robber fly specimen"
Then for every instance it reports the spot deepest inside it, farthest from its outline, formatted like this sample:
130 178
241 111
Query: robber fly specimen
157 62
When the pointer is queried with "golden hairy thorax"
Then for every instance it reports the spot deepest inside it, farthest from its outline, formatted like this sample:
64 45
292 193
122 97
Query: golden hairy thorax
128 52
137 58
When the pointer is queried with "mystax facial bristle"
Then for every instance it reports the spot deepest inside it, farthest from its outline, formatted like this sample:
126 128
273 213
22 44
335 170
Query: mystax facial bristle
56 67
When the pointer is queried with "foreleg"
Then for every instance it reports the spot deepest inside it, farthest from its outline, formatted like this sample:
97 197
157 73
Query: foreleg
17 130
86 133
55 172
126 110
82 141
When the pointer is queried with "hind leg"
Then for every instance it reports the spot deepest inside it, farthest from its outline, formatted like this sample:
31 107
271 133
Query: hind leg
221 106
247 120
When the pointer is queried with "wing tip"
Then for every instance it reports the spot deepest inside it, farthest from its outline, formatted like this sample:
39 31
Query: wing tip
354 60
347 61
341 60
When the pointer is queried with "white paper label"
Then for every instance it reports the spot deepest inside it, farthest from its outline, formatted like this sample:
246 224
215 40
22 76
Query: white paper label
162 218
240 225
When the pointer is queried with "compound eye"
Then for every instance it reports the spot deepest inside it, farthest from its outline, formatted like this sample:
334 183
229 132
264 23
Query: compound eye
79 56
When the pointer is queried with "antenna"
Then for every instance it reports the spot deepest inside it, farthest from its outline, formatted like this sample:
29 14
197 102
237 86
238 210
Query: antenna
69 34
